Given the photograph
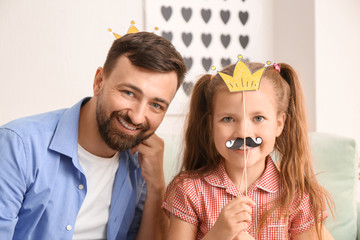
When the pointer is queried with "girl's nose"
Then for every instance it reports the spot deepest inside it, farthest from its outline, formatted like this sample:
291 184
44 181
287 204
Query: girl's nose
243 129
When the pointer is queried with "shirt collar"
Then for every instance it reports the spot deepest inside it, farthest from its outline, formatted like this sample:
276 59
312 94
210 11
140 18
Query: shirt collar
66 133
267 182
133 158
219 178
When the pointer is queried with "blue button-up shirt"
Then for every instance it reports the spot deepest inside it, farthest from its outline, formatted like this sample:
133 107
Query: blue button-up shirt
39 178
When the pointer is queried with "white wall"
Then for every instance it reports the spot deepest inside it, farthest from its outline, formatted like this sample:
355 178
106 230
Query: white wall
294 35
321 40
337 67
50 50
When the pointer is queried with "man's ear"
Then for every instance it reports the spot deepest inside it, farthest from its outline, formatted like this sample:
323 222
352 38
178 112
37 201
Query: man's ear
280 123
98 81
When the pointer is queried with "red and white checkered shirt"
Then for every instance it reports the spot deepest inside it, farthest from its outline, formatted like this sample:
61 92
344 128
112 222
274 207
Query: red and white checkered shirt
199 201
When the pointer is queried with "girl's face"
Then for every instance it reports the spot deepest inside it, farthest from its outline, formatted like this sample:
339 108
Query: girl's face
262 120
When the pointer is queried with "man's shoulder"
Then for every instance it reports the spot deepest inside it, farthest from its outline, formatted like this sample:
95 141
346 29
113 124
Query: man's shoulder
35 124
47 121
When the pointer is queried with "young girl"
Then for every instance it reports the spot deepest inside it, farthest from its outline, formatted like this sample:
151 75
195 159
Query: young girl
210 199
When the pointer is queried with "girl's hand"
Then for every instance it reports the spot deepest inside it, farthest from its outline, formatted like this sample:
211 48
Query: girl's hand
233 219
244 236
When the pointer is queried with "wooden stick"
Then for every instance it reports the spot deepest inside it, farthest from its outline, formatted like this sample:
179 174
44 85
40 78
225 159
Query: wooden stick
245 156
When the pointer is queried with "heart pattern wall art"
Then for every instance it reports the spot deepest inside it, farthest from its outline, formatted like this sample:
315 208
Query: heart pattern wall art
206 32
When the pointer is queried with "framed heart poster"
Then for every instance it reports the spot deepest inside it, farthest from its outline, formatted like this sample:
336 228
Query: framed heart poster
207 33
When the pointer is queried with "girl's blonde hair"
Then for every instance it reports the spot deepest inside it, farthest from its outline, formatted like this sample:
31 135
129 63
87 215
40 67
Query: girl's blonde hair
296 170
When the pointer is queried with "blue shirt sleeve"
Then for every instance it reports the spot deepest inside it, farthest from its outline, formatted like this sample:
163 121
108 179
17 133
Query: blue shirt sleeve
140 200
12 180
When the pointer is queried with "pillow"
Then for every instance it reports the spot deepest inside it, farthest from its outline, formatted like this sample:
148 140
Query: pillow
336 163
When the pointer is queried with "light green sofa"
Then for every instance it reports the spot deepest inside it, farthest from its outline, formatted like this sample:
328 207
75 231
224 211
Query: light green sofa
335 162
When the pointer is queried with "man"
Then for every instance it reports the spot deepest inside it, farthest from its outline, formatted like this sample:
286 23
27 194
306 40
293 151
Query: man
94 171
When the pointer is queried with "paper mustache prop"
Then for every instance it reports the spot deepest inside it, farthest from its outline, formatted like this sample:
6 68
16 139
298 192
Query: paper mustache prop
239 142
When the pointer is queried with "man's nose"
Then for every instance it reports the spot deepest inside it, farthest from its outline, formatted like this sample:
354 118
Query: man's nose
137 113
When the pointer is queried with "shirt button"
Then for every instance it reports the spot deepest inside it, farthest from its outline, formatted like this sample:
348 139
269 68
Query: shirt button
81 187
68 227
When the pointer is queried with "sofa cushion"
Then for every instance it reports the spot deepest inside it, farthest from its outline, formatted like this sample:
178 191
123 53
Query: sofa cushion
336 165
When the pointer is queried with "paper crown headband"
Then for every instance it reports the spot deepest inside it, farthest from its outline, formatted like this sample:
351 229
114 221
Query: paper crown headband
243 79
132 29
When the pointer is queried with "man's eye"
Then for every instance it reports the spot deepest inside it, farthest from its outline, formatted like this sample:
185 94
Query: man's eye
156 105
259 118
131 94
228 119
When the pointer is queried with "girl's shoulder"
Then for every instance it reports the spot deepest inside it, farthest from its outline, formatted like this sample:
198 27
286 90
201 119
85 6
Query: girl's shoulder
301 197
197 178
301 204
186 180
183 190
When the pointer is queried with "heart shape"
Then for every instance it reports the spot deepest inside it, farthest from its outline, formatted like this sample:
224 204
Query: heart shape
225 62
188 62
244 40
244 16
186 13
206 14
187 38
166 12
206 39
167 35
187 87
225 15
225 40
206 62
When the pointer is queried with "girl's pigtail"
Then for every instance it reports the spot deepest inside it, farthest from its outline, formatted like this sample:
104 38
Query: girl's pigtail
296 162
197 135
198 149
293 143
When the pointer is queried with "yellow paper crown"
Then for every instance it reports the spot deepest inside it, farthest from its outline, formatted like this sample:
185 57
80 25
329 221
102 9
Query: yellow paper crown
243 79
132 29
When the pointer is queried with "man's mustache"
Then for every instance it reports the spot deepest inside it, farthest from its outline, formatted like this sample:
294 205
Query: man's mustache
250 142
127 119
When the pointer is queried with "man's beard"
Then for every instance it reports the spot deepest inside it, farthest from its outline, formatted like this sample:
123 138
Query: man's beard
110 133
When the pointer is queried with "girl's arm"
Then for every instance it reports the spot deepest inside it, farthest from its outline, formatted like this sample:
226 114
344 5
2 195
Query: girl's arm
234 218
180 229
311 234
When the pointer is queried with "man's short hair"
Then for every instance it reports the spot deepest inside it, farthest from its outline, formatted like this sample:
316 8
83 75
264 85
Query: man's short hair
148 51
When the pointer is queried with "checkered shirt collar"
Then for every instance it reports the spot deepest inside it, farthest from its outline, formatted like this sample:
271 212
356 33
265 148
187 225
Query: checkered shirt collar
268 182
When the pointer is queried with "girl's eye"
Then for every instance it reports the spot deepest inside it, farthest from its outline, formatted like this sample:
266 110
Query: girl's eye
228 119
258 118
